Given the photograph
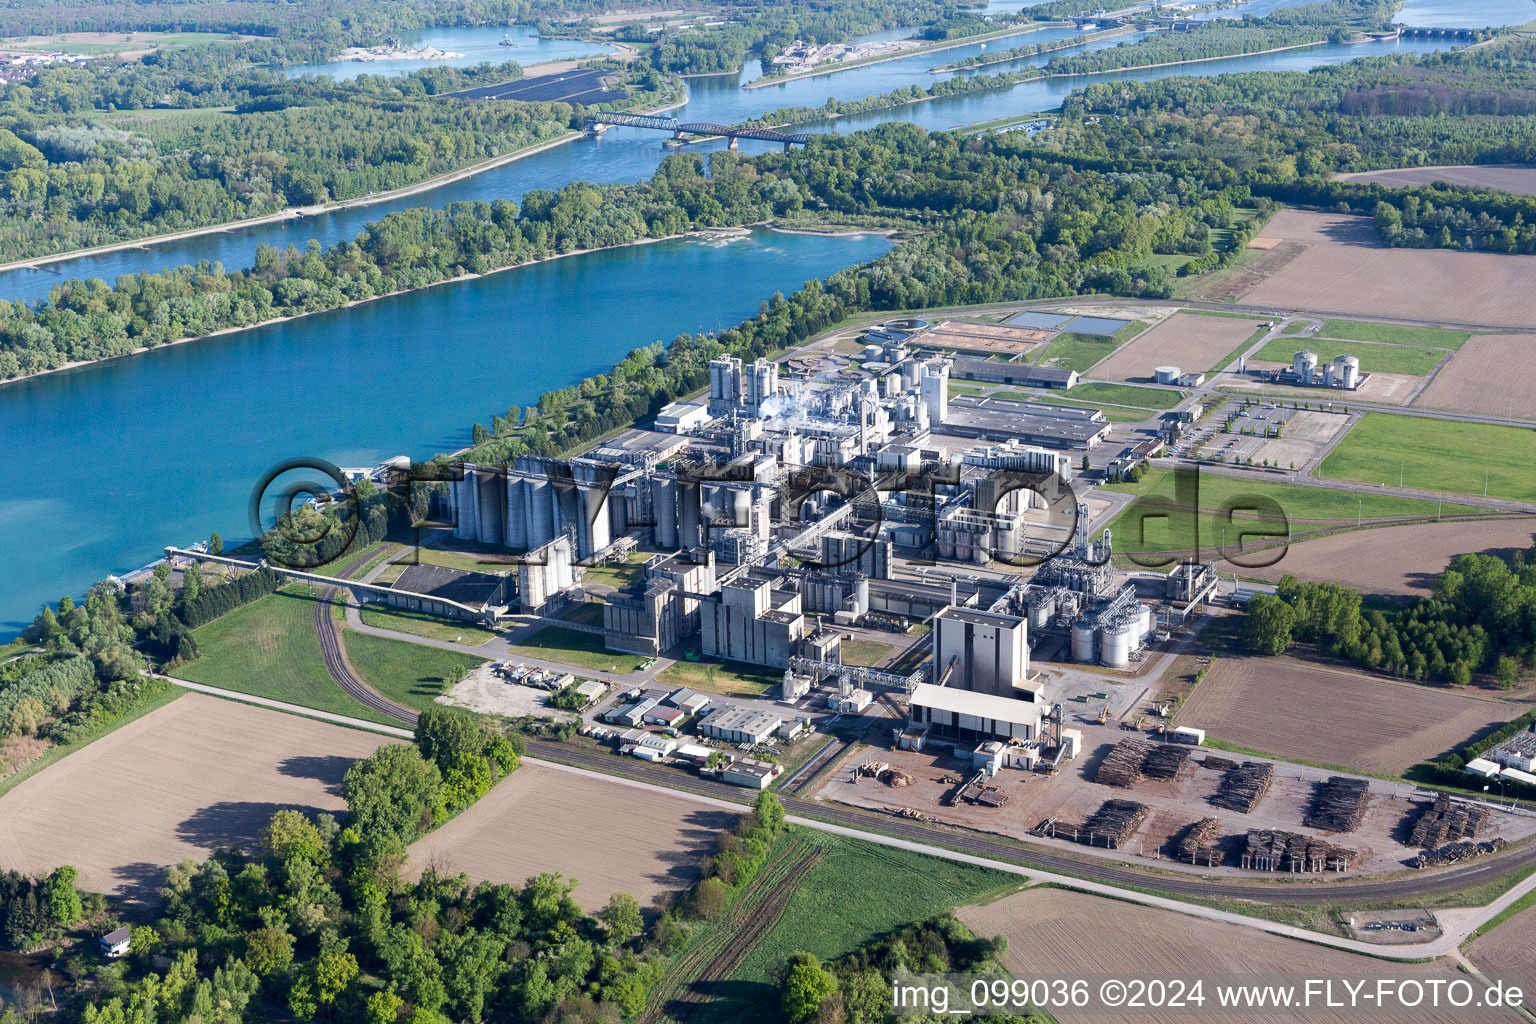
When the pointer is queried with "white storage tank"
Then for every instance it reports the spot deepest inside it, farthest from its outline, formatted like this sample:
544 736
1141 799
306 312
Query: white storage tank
1083 644
1143 624
861 594
1041 611
1115 645
1304 365
1348 372
1166 374
664 500
871 353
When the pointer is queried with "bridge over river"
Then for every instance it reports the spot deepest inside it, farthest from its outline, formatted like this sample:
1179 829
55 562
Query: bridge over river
701 128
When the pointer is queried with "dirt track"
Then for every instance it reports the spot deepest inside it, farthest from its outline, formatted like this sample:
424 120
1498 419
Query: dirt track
196 775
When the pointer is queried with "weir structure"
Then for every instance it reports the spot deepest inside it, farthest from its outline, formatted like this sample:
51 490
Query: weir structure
656 122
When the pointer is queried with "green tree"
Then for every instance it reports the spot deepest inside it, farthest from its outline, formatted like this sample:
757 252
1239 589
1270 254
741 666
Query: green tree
443 733
622 916
268 951
63 899
215 543
769 811
289 833
803 984
395 793
1267 625
1508 670
383 1008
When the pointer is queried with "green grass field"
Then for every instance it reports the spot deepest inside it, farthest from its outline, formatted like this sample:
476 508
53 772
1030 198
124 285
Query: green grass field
859 891
433 627
1437 455
1078 352
271 648
620 574
727 677
576 648
864 653
1126 394
1305 506
1412 360
406 673
1393 334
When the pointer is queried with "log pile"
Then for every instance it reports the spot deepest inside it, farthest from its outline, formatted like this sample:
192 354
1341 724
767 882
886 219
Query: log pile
1339 805
1218 764
1197 843
1244 785
1130 761
1447 821
1267 849
1113 823
1454 853
896 778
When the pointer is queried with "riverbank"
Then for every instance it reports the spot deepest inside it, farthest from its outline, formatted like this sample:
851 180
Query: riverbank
300 212
1190 60
943 44
1064 44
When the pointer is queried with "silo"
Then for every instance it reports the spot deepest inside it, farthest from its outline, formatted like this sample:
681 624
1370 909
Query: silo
1115 644
1041 611
861 594
946 542
517 512
1304 365
592 526
1166 374
910 373
688 533
1348 372
1082 643
892 384
491 504
464 503
1143 624
741 508
664 500
541 512
1328 370
871 353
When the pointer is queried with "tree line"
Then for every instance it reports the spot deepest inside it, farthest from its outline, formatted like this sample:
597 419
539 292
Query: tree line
1480 618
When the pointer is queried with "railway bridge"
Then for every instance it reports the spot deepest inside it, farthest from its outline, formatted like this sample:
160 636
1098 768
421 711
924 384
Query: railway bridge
656 122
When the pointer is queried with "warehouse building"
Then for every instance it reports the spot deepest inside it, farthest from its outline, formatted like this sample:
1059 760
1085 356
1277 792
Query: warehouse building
426 588
740 725
1017 374
1000 419
944 714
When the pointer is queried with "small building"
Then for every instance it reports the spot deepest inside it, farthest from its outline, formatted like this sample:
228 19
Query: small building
741 725
633 714
1071 742
794 729
1516 775
851 703
664 716
690 701
115 943
427 588
1481 766
592 690
1185 734
968 717
752 774
695 754
650 747
681 417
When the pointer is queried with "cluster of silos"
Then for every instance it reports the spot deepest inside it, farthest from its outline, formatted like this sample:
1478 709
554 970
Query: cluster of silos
1304 366
478 501
965 541
1343 372
1111 642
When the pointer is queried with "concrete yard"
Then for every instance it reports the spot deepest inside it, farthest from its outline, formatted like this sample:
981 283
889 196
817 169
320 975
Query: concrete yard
608 836
195 776
484 691
1173 804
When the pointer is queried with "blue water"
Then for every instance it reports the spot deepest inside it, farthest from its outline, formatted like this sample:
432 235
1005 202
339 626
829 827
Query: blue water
1465 13
475 45
109 463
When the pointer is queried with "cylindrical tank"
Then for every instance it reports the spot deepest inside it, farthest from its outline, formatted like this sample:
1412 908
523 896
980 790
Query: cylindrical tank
1304 364
1166 374
664 499
688 534
464 505
1348 372
1328 370
491 504
871 353
910 373
861 594
892 384
1115 645
1143 623
1083 645
541 512
517 512
1040 614
741 508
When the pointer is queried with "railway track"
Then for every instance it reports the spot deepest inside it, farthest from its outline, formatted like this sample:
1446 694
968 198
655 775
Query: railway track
336 659
1311 892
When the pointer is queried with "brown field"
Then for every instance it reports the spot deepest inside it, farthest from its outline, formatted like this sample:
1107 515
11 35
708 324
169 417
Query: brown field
1397 561
608 836
1508 951
992 339
1189 341
195 776
1342 254
1508 178
1055 933
1289 708
1493 374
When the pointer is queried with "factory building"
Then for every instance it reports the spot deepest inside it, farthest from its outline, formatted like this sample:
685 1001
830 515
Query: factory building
849 553
1017 374
934 385
724 385
966 718
529 505
762 383
1001 419
662 609
983 652
740 725
681 418
749 621
543 574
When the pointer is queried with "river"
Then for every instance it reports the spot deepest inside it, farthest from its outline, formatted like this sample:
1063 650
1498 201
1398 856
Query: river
110 462
473 45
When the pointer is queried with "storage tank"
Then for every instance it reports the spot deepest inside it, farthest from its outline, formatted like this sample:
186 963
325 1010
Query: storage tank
861 594
1041 611
741 508
517 512
464 504
491 504
1115 644
1083 645
1304 365
1348 372
1166 375
871 353
541 512
664 499
892 384
688 534
910 372
1143 623
1328 369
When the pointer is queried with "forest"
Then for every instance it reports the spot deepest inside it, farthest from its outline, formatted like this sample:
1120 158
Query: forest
1480 618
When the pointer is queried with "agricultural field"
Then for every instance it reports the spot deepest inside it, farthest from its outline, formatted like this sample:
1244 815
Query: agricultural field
1147 942
271 648
1393 334
1338 251
406 673
1358 722
1508 178
1506 952
1397 562
576 648
543 819
115 44
1493 375
1436 455
199 774
1307 508
1190 341
433 627
727 677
